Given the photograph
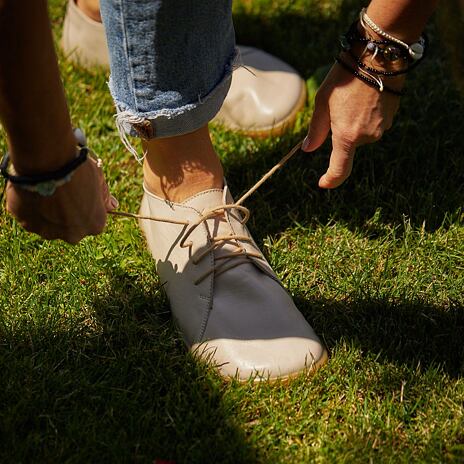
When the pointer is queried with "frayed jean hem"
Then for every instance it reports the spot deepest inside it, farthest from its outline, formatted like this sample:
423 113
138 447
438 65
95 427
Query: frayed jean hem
170 122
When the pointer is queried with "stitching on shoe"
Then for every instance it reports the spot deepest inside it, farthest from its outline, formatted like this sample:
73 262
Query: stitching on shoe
205 321
198 195
182 204
209 307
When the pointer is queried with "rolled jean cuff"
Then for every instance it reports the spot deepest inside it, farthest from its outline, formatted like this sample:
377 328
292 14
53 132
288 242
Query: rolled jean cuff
169 122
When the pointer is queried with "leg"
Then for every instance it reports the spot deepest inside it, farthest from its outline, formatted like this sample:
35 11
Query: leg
177 82
178 167
34 113
171 64
91 8
255 104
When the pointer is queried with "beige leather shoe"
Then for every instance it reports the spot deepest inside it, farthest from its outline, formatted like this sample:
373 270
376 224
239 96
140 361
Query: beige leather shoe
265 96
84 40
229 305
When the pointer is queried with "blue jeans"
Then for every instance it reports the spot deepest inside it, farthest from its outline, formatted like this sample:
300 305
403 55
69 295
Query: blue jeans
171 63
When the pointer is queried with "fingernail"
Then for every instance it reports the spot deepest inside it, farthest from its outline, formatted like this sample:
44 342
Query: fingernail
114 202
305 143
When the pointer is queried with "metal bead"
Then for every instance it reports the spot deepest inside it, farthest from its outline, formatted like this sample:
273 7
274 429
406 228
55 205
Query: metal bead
392 53
416 50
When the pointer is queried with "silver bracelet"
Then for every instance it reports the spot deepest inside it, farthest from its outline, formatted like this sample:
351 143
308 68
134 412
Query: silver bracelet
415 50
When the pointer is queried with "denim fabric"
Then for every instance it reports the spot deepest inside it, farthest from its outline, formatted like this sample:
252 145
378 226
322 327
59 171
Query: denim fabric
171 62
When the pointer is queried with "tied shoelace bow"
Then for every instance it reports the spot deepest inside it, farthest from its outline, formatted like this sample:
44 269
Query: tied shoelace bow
229 260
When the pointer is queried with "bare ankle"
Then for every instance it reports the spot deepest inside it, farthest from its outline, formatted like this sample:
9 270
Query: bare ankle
176 168
90 8
184 187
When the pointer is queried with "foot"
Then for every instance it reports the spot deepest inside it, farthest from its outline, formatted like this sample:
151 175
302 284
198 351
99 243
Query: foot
84 39
265 96
230 307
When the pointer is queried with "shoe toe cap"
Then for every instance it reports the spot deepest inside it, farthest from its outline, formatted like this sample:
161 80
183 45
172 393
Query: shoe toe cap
278 358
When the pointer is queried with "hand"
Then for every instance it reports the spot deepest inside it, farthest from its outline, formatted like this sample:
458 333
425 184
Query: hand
355 113
76 209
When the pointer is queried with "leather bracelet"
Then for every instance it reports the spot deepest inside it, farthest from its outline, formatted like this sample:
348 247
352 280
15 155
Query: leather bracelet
389 50
44 184
367 80
415 50
375 70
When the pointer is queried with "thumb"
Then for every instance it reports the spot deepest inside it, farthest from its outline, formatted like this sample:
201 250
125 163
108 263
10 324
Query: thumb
109 200
319 126
340 165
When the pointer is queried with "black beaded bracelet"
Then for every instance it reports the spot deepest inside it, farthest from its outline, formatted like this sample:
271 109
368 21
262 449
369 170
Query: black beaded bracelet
44 184
367 80
377 71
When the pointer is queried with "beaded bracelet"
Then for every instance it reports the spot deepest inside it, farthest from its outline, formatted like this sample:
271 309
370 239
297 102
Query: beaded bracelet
415 50
389 50
371 82
46 184
375 70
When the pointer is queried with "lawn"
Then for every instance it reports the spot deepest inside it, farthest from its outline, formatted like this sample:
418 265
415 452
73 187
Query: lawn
93 369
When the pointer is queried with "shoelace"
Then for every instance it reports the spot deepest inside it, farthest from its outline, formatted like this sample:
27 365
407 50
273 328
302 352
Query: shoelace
233 258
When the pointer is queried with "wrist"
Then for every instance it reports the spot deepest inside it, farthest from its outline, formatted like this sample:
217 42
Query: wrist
46 183
32 158
395 83
378 61
396 25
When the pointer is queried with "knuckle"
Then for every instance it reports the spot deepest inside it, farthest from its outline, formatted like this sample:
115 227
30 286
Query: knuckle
348 137
377 134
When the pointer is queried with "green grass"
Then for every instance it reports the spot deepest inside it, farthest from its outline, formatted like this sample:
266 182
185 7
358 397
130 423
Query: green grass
94 371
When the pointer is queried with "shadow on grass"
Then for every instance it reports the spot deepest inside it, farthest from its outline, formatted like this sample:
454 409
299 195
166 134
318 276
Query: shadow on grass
119 387
413 334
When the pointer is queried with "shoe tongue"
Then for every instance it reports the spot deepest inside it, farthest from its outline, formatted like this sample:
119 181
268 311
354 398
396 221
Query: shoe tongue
205 200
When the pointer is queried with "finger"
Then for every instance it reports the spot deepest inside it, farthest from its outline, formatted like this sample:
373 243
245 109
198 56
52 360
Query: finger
109 200
340 165
387 125
319 126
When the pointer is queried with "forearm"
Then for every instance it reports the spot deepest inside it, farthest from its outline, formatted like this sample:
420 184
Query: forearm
33 108
405 19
